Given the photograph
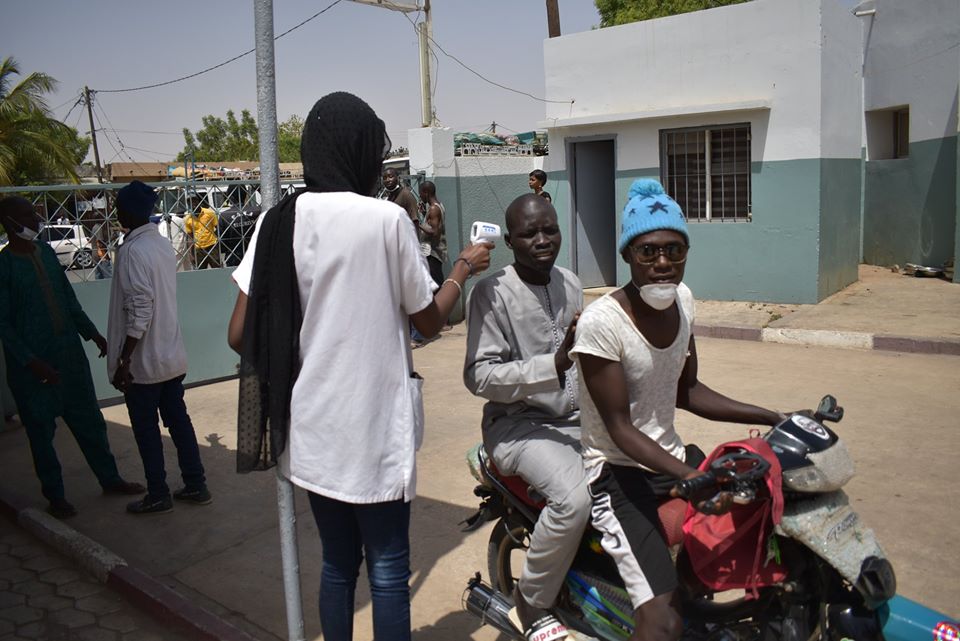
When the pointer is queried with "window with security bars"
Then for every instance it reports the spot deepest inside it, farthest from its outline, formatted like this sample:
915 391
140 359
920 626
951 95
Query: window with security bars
707 171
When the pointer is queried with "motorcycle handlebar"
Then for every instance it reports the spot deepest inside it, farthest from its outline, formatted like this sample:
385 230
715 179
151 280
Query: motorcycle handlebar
687 488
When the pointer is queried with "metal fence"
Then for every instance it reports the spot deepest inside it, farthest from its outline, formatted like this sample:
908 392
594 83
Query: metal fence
209 224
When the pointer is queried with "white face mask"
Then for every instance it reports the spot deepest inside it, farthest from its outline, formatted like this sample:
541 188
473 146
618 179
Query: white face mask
28 234
659 296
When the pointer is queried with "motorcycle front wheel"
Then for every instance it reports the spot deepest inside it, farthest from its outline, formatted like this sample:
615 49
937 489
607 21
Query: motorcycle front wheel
505 551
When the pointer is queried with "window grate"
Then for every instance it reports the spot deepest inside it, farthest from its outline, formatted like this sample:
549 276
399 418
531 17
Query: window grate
707 171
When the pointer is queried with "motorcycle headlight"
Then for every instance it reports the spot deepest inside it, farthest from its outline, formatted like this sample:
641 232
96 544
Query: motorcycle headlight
828 471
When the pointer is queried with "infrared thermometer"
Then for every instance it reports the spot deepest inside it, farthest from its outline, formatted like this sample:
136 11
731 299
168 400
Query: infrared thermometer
484 233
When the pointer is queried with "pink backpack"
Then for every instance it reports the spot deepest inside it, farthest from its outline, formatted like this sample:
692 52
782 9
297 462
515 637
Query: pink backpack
729 551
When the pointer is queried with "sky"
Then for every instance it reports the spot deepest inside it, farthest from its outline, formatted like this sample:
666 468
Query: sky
369 51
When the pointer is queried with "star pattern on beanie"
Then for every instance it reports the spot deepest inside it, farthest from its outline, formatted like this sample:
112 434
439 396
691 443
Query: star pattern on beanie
657 206
663 212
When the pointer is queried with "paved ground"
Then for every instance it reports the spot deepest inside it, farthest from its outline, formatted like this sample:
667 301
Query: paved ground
45 596
901 426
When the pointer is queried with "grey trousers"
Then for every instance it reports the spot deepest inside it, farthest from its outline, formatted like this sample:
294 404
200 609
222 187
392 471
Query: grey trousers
547 456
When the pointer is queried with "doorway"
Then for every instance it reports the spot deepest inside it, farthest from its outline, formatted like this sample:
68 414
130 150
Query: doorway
594 212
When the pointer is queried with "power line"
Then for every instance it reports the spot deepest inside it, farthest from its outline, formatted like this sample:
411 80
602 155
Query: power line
75 105
477 73
225 62
146 131
97 105
66 102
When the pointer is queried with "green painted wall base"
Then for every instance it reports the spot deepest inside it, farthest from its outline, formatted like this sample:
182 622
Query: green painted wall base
801 246
205 302
911 206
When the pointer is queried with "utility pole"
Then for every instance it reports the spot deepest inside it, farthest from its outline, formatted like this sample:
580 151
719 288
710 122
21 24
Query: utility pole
425 35
93 132
553 19
425 31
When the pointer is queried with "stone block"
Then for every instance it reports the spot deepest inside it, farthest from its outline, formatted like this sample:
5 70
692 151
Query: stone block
50 602
42 563
21 614
141 635
37 630
119 622
100 604
73 618
16 575
59 576
32 588
27 551
80 589
96 634
10 599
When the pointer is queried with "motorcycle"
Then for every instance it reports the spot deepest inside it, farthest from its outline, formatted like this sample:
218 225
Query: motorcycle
820 574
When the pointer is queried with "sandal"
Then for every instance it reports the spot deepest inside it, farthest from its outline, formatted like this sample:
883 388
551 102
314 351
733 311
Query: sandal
546 628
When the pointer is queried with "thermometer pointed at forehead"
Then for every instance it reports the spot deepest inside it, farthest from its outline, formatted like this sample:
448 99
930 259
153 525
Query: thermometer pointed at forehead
484 233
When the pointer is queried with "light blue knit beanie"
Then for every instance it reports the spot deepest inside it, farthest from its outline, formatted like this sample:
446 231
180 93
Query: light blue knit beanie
649 209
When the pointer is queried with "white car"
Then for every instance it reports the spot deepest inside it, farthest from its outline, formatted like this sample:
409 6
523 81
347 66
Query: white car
71 243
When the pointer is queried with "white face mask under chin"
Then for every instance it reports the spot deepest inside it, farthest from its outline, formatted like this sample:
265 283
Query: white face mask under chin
28 234
659 296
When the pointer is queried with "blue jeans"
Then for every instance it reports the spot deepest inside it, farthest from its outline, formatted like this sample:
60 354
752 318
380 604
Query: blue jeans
347 532
143 403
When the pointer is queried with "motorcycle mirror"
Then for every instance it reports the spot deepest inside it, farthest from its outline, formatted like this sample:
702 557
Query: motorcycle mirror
828 410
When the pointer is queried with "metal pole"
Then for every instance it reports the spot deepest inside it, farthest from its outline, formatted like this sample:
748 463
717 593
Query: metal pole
267 104
425 31
270 195
93 132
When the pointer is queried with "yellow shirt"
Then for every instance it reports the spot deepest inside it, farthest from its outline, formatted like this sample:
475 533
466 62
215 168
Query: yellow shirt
202 227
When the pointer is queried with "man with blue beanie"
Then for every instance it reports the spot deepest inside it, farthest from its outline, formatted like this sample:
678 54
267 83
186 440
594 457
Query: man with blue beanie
146 358
638 360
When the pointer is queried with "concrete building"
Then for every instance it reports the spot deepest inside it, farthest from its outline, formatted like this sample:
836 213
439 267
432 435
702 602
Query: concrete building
751 117
801 137
911 66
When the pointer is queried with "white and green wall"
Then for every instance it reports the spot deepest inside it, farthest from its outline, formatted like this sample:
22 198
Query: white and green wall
790 68
205 301
471 188
910 61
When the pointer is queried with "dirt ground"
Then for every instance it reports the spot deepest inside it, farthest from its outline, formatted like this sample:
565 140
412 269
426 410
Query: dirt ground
901 426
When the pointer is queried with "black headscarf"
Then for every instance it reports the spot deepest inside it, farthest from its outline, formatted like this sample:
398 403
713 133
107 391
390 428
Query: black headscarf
342 149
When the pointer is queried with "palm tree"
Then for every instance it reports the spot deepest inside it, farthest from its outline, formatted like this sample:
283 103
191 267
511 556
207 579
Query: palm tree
33 144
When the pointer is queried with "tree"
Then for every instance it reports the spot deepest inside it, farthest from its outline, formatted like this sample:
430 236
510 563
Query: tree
288 139
231 140
223 140
614 12
34 146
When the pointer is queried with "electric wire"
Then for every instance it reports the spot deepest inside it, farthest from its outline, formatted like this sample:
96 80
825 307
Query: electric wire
225 62
75 104
97 105
146 131
78 97
477 73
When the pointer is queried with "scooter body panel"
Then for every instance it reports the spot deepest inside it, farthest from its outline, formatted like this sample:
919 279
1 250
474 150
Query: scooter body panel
906 620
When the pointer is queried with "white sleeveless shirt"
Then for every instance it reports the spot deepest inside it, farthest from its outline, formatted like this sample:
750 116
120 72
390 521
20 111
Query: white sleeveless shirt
605 330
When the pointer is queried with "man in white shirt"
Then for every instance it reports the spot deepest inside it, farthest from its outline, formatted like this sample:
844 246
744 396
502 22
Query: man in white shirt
146 358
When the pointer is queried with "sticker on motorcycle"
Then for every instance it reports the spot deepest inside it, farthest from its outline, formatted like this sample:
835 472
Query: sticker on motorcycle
946 631
810 425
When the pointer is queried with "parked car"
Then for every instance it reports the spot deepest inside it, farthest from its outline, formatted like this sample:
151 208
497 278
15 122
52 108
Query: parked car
72 245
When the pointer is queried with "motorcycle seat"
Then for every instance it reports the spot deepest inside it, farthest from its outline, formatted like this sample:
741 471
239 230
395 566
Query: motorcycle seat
671 511
517 486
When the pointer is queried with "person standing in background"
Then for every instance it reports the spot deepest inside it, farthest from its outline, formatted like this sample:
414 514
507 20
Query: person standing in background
202 227
147 360
41 323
